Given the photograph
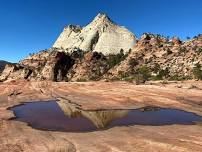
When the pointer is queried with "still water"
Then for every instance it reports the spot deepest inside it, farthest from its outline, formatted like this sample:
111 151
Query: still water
67 117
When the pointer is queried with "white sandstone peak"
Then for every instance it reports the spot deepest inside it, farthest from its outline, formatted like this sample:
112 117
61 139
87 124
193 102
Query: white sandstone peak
101 17
101 35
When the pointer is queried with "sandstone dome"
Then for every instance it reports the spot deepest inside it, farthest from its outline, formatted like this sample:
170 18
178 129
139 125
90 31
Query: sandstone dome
101 35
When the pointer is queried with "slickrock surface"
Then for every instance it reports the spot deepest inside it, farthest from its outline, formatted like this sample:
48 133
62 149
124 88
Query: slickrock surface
17 136
101 35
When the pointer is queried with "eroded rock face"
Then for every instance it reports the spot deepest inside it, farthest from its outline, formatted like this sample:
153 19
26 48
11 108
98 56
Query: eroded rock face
91 67
15 71
46 65
2 65
101 35
56 67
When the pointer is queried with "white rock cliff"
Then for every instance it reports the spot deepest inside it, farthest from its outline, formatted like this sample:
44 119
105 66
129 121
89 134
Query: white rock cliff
101 35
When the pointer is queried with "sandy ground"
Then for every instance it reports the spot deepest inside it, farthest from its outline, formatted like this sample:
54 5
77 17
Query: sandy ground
17 136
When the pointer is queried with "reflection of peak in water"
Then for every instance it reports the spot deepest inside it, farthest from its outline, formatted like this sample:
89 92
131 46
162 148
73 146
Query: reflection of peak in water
100 119
69 109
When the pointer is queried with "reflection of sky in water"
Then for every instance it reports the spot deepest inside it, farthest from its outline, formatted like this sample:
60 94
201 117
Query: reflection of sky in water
66 117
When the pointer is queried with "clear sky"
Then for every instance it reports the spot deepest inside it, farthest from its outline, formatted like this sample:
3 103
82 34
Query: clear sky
27 26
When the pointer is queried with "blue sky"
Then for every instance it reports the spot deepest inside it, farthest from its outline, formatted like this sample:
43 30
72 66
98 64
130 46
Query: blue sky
27 26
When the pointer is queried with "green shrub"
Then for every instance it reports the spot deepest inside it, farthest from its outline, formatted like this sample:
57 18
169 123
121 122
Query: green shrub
81 80
133 62
199 50
128 79
122 74
163 73
177 77
182 50
197 72
116 59
79 54
169 51
94 78
143 74
115 78
156 68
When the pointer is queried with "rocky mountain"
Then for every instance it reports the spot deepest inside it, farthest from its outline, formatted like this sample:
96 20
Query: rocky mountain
101 35
162 58
105 51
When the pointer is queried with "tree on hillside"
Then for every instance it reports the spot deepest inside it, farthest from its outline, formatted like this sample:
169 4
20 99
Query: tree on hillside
197 71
